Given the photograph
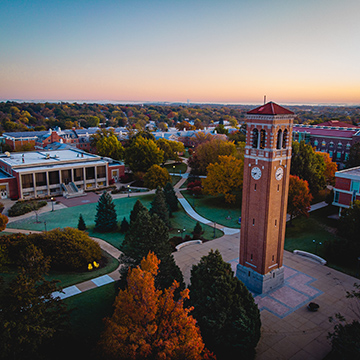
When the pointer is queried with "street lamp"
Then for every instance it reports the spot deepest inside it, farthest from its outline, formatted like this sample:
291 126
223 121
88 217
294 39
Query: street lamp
214 229
316 245
52 204
128 190
45 226
174 169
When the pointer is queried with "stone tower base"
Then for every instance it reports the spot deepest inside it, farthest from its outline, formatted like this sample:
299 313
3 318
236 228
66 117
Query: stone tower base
257 283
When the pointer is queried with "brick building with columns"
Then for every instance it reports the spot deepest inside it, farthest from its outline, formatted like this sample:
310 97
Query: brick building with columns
70 172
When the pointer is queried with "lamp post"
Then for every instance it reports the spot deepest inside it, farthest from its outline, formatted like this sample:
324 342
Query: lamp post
316 245
52 204
45 226
214 229
128 190
173 169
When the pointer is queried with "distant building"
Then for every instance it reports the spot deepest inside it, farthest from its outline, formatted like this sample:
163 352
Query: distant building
68 172
347 187
335 138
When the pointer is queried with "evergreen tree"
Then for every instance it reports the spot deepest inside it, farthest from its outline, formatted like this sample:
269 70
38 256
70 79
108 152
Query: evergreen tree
124 227
81 223
160 207
228 317
171 197
106 218
138 206
198 231
149 233
30 317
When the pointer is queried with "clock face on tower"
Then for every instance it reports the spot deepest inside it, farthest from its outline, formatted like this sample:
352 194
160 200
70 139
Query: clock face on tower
279 173
256 173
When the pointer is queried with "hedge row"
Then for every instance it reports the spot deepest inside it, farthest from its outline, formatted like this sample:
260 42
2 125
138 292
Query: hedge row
22 207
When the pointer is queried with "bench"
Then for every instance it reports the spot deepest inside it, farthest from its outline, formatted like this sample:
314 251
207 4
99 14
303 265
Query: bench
186 243
310 256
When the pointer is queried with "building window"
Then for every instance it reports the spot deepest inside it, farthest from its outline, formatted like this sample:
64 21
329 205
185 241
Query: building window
336 196
90 173
323 143
27 181
279 139
251 257
316 143
272 258
262 139
40 179
331 153
331 144
338 155
54 177
255 138
255 187
339 145
284 139
355 185
275 222
253 222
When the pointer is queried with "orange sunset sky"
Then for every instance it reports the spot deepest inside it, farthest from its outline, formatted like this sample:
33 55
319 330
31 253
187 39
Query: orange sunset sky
167 50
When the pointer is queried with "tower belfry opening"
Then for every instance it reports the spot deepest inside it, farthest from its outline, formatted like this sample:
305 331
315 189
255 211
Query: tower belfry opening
266 169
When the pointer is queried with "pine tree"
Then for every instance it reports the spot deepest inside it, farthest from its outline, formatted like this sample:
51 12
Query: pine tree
30 316
171 197
197 231
124 227
106 218
160 207
138 206
149 233
81 223
228 317
150 324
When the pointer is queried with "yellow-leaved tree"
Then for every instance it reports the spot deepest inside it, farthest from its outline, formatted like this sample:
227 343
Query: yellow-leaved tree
148 323
224 177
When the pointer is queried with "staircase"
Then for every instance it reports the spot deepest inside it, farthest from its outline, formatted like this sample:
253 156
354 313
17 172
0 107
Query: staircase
70 190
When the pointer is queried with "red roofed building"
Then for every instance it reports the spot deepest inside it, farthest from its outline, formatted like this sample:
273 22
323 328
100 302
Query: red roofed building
335 140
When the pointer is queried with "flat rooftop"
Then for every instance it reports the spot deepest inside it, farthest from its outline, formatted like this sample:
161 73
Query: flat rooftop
50 157
349 173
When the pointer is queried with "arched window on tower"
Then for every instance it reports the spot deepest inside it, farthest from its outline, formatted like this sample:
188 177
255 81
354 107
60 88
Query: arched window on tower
279 139
255 138
284 139
262 139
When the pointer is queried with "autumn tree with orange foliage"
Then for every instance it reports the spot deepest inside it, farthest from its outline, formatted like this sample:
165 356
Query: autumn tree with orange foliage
224 177
330 168
148 324
299 197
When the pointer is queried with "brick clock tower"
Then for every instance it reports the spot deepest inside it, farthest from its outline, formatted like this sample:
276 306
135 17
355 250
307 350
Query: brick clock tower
264 203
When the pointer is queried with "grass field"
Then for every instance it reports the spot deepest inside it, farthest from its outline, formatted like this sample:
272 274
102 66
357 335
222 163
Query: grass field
215 208
317 227
69 217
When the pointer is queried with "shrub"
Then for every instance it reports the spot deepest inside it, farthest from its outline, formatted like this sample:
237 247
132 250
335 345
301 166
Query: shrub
22 207
69 249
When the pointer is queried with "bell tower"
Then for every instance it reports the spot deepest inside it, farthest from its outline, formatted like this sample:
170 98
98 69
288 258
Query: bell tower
264 202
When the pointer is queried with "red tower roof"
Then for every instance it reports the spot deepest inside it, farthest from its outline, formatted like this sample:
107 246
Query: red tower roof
270 109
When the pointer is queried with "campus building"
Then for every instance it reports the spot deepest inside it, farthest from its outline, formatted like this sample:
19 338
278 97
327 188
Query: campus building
333 137
69 172
347 187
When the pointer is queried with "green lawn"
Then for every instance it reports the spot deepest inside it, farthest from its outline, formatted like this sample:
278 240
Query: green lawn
69 217
86 320
317 227
176 168
216 209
